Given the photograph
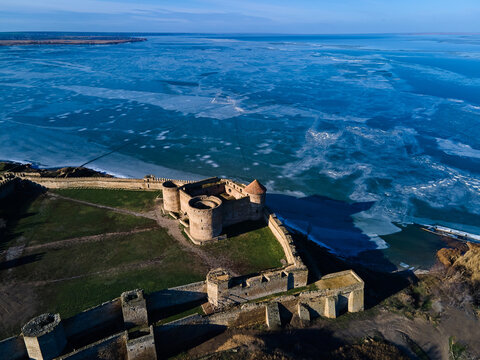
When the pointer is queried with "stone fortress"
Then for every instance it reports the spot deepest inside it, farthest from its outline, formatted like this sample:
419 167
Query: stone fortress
212 204
204 208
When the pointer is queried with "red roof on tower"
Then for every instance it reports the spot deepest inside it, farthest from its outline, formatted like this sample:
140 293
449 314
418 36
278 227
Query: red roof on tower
255 188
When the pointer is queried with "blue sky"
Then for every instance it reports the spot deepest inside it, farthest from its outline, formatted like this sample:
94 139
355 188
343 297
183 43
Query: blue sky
250 16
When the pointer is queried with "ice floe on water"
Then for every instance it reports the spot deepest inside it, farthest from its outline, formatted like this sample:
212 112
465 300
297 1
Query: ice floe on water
458 149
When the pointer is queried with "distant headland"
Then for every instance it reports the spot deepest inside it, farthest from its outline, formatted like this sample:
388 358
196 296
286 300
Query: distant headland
71 40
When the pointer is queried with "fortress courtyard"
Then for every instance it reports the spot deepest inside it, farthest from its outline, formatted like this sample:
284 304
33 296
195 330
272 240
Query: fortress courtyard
67 250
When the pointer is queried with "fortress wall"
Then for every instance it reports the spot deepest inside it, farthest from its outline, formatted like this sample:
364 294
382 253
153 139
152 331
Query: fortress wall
13 348
246 315
255 287
95 322
283 237
178 296
235 211
184 199
100 182
113 347
214 190
234 189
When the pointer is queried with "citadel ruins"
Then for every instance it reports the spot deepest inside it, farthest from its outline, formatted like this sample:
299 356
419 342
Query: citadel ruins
123 326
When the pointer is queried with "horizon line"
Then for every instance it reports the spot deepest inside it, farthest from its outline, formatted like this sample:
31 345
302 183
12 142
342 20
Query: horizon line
242 33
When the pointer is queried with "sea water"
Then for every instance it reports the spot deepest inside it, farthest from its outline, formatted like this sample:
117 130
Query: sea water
352 135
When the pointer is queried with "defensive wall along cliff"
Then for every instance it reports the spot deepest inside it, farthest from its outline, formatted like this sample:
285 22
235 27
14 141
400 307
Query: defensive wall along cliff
147 183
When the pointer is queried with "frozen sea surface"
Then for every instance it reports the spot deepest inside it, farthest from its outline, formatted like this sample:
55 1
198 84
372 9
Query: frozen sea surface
387 125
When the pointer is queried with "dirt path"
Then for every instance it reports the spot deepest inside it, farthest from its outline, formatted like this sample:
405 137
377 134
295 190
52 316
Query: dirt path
114 270
84 239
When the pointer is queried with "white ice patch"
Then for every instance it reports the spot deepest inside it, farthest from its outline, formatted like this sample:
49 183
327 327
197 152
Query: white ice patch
201 106
458 149
162 136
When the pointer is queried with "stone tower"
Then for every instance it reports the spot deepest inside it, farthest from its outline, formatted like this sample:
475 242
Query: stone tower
205 217
171 197
256 192
44 337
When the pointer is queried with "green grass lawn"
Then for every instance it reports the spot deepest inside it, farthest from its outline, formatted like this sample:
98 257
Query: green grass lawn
149 260
73 296
49 219
97 256
77 276
249 252
136 200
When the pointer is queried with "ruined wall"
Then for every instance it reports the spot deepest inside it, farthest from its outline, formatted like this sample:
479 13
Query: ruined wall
245 315
134 308
100 182
95 322
338 297
282 235
13 348
110 348
265 284
242 289
141 345
234 189
177 296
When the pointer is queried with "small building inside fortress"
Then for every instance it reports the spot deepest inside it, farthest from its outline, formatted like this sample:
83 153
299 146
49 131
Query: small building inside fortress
212 204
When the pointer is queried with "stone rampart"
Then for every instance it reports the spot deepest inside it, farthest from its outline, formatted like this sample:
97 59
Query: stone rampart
224 290
13 348
337 293
113 347
245 315
283 237
177 297
95 322
141 345
147 183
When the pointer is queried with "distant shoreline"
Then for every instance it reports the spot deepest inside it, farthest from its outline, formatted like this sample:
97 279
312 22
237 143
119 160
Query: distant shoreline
72 41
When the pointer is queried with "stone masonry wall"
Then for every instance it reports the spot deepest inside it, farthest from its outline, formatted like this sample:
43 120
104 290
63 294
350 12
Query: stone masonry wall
100 182
94 320
113 347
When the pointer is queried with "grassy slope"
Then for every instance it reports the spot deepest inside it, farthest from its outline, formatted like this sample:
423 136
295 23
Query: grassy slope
250 252
48 219
126 199
93 272
151 261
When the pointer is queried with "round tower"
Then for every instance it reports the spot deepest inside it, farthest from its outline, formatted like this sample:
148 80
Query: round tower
205 217
44 337
171 197
256 193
